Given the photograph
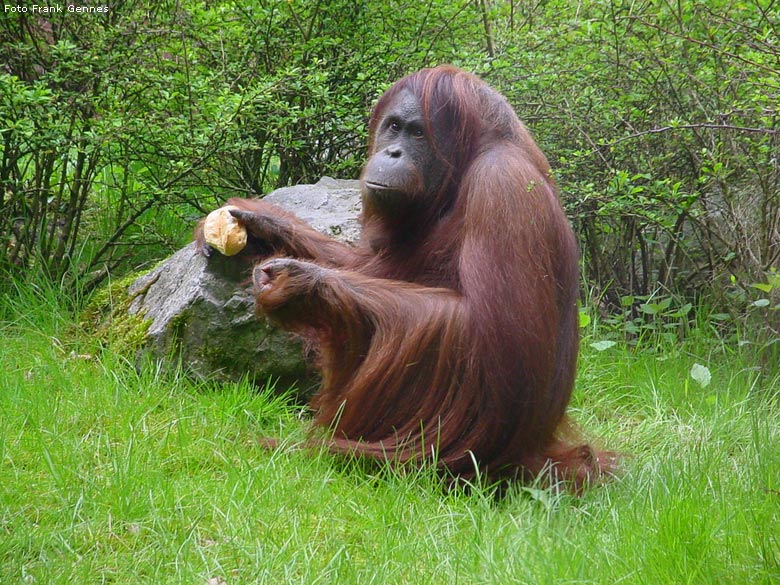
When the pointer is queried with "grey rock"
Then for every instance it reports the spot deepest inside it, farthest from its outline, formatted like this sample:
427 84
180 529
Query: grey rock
331 206
202 312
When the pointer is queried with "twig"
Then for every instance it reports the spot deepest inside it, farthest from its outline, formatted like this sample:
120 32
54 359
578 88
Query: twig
708 125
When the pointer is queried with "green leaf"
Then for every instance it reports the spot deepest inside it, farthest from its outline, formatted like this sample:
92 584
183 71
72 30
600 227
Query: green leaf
649 308
764 287
542 496
602 345
701 374
682 311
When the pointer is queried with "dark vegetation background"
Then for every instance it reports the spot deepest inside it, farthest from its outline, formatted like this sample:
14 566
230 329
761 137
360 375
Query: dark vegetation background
660 119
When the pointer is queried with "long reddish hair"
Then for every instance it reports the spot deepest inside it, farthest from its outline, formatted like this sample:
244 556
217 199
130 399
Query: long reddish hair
453 335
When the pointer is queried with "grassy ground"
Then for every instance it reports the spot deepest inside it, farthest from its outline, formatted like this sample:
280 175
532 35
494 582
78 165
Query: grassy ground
107 475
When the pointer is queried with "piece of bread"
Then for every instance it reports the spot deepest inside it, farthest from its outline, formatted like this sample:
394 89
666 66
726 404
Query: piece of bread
223 232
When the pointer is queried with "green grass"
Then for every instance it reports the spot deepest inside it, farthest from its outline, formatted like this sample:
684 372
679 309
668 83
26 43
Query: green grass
108 475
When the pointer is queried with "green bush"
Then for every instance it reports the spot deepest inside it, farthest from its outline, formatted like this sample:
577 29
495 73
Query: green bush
661 122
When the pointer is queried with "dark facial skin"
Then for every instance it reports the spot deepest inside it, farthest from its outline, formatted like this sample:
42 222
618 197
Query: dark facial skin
403 166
